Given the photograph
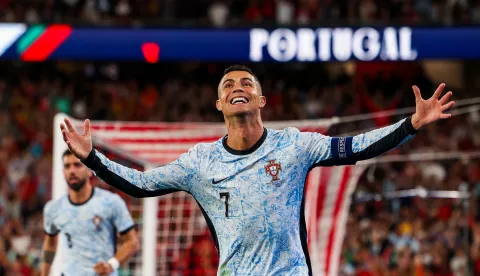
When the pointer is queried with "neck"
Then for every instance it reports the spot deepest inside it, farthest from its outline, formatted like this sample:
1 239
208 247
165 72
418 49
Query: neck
244 132
81 196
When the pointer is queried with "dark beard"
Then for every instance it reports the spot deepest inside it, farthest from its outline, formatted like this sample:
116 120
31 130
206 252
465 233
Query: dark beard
78 186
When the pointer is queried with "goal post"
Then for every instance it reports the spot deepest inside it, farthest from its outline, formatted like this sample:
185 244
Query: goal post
149 236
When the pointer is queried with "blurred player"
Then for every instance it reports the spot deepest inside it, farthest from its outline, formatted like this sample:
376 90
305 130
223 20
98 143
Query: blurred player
88 220
249 184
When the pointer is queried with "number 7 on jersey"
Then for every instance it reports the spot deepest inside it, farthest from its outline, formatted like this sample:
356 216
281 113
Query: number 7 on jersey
225 196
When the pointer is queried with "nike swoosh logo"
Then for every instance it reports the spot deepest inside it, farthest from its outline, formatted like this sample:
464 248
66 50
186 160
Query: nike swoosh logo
218 181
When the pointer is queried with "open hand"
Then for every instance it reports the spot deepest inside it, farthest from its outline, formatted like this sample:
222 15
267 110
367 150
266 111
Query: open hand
103 268
431 110
79 144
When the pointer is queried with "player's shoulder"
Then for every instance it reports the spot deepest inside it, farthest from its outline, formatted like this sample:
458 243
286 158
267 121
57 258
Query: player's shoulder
54 205
204 147
285 133
106 195
204 150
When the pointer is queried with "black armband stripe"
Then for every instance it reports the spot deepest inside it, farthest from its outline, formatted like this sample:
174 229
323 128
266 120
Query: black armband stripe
114 180
342 151
388 142
341 147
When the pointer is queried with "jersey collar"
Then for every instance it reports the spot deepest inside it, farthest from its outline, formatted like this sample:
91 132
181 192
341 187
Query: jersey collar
247 151
79 204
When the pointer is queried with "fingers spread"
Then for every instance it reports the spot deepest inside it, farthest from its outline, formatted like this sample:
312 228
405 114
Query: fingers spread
69 125
439 90
86 126
66 138
416 91
446 97
447 106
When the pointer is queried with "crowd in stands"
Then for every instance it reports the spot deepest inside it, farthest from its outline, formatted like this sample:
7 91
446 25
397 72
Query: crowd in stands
222 13
438 237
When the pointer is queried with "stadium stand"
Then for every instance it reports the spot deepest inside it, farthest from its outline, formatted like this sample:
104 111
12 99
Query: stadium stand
222 13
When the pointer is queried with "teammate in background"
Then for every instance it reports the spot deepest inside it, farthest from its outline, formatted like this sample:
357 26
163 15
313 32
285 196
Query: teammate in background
88 220
250 183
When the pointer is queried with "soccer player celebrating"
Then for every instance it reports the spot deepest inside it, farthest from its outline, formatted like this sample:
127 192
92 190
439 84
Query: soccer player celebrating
249 184
88 219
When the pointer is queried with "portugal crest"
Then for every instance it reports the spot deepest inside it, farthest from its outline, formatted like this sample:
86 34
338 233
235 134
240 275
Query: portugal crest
97 220
273 169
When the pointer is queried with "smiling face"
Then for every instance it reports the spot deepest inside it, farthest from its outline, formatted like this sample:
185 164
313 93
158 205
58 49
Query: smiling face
239 94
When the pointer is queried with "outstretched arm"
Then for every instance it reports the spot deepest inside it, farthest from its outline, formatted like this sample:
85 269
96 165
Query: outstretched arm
176 176
326 151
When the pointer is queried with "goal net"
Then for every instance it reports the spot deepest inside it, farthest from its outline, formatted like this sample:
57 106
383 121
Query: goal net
174 235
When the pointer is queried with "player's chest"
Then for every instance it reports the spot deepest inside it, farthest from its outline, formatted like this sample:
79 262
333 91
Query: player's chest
271 169
85 218
251 185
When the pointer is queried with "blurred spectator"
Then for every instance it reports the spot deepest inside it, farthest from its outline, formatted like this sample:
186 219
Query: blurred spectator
218 13
285 12
235 12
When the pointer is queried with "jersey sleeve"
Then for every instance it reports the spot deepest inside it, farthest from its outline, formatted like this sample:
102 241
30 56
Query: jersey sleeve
122 220
324 150
176 176
48 220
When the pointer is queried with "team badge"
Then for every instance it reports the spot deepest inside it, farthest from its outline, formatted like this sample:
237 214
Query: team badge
97 220
273 169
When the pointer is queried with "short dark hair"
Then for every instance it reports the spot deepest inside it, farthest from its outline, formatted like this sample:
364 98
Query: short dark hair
66 153
239 67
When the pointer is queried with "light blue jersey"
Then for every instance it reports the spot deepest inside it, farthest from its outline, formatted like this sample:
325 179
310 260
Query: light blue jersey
88 231
253 199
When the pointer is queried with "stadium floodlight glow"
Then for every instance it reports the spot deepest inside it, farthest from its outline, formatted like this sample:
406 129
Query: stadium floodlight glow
9 33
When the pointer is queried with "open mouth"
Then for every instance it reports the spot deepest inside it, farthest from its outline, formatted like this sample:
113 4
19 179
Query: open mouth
239 100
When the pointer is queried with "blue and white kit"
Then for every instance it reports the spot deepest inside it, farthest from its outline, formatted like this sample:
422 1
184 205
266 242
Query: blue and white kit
253 199
88 230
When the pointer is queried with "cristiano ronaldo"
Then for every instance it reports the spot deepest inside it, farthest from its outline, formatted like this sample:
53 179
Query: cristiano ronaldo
249 184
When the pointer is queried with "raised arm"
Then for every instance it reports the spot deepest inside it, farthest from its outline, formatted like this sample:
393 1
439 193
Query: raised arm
323 150
176 176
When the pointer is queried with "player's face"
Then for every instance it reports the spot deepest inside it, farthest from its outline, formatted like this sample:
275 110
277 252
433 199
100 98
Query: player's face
76 174
239 94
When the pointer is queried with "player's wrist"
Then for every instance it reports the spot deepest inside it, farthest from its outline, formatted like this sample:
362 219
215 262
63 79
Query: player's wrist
114 263
416 122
